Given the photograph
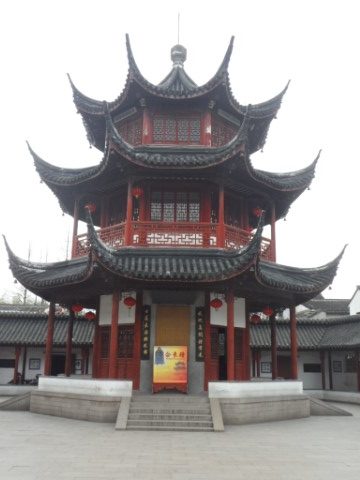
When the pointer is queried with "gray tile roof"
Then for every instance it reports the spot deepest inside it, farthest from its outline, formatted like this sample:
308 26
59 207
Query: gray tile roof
331 306
309 334
342 333
30 329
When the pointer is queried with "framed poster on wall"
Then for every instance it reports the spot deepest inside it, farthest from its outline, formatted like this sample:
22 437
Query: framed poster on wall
170 369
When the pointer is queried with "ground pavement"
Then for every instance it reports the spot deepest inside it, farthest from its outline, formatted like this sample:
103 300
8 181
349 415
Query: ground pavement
39 447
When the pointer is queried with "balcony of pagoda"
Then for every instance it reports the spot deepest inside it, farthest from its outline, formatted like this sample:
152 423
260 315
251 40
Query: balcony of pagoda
172 235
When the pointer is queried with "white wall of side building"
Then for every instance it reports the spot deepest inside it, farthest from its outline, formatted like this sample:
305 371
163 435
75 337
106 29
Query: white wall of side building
354 304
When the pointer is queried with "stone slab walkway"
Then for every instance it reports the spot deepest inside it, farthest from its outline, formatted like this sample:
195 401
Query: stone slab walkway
37 447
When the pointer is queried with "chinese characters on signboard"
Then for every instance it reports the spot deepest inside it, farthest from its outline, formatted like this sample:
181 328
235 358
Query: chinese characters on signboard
170 365
199 334
145 333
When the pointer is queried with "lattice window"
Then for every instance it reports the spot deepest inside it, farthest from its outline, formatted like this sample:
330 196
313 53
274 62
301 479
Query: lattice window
126 341
131 131
221 132
214 340
175 206
176 129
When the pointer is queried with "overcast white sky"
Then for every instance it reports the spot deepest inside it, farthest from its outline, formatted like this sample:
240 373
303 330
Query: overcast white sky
313 43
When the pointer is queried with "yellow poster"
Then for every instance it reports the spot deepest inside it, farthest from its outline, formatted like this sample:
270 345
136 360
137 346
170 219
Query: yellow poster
170 364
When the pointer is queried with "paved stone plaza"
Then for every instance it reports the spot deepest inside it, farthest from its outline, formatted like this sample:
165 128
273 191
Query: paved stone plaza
36 447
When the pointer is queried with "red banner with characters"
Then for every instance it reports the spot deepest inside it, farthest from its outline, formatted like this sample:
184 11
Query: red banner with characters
170 365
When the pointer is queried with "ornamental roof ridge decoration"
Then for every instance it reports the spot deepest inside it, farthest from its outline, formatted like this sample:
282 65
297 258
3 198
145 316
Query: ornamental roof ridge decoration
167 264
310 279
168 88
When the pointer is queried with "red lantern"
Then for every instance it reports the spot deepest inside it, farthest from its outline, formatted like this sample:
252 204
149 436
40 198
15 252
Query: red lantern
268 311
76 308
90 316
137 192
90 207
257 211
216 303
129 302
255 319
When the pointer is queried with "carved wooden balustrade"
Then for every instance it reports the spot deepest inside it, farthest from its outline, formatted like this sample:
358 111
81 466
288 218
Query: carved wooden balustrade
176 234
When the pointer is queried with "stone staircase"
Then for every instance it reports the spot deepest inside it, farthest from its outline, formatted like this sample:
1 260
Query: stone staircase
170 412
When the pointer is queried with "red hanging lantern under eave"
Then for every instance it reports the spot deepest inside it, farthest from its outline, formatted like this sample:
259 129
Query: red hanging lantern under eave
216 303
76 308
90 207
257 211
255 319
137 192
268 311
90 316
129 301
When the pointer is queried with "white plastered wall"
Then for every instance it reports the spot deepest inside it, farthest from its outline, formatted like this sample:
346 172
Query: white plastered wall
126 314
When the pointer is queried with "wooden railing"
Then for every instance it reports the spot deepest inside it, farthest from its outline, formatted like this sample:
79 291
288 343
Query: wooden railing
174 234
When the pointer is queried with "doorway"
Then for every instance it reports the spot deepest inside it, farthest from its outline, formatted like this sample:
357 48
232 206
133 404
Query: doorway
57 364
172 325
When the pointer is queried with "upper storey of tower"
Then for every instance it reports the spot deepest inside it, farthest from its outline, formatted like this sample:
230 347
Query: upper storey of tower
177 111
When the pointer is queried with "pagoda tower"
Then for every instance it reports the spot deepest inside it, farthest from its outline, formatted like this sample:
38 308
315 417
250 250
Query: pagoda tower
174 254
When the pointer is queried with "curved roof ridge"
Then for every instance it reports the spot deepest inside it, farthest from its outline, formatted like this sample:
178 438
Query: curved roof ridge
265 109
193 156
309 279
295 180
191 89
34 275
55 175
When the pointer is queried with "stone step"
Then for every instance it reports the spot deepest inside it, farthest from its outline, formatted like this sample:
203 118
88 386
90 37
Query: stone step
161 416
170 398
175 411
171 429
169 423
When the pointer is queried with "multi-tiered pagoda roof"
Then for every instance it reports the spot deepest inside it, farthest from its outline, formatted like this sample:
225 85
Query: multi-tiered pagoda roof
102 268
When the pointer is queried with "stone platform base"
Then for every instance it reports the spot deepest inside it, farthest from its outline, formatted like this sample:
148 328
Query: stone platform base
94 408
240 411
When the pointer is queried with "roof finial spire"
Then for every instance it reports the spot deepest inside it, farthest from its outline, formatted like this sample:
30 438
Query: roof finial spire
178 52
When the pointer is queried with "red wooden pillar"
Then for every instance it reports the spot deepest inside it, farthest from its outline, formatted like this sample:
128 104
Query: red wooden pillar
207 341
75 228
247 348
293 344
68 354
16 366
96 344
230 337
274 368
137 339
49 339
330 371
114 335
207 129
147 130
221 229
129 215
273 233
323 374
